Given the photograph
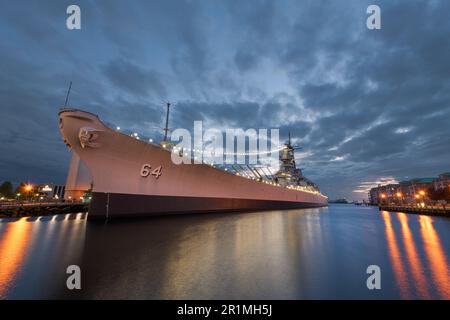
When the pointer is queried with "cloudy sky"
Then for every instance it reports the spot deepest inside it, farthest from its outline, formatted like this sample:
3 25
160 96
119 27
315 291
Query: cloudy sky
366 105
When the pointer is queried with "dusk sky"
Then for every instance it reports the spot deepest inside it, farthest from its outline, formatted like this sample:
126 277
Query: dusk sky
365 105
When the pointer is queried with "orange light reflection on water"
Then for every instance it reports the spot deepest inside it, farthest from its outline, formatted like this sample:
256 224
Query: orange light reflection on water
436 256
394 253
413 257
13 249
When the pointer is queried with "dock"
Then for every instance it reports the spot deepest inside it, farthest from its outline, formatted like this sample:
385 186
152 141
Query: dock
16 209
431 210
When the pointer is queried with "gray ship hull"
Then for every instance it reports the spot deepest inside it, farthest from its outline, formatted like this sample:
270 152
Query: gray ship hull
106 205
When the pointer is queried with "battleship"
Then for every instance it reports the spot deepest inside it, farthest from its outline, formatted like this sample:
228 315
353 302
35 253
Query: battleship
129 177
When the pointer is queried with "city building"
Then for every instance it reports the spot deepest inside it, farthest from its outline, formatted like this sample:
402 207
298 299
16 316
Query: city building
51 191
381 193
442 181
409 191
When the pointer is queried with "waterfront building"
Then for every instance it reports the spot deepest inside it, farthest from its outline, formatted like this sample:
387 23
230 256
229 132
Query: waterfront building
442 181
382 193
409 191
373 195
415 189
51 191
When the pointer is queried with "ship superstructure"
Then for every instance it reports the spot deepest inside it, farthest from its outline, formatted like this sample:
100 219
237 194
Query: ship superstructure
289 175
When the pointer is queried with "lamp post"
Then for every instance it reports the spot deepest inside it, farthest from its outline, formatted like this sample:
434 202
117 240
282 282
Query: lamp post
383 197
28 189
422 194
400 197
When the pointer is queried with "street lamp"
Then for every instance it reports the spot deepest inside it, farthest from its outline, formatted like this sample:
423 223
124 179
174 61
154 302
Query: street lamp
399 196
28 188
422 193
383 196
417 196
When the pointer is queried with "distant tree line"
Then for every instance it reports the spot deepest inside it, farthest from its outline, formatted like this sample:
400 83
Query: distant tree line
7 190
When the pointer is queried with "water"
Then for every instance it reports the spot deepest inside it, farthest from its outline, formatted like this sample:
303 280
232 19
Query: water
295 254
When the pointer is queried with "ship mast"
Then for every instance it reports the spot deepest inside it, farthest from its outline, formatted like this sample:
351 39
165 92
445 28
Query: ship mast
68 93
166 128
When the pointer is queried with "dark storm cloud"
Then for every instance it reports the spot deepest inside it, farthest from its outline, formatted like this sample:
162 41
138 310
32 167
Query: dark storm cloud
245 60
134 79
390 81
364 105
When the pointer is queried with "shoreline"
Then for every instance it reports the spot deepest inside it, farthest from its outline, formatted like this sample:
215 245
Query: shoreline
30 210
429 211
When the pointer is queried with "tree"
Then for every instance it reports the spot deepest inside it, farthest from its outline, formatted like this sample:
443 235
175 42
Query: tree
6 189
20 188
25 190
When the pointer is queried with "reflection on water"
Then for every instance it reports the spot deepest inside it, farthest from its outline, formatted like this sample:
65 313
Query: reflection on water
396 258
436 256
412 257
35 251
13 248
295 254
423 271
231 254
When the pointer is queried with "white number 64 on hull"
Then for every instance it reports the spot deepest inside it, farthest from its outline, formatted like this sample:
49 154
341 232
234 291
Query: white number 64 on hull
146 170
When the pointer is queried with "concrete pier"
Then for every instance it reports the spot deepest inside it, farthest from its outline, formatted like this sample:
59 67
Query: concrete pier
437 210
41 209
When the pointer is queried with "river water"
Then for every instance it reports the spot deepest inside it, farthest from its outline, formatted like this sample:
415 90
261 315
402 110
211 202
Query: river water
295 254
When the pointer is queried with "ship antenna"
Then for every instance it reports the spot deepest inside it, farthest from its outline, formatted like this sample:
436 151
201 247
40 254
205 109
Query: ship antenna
289 141
166 129
68 93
